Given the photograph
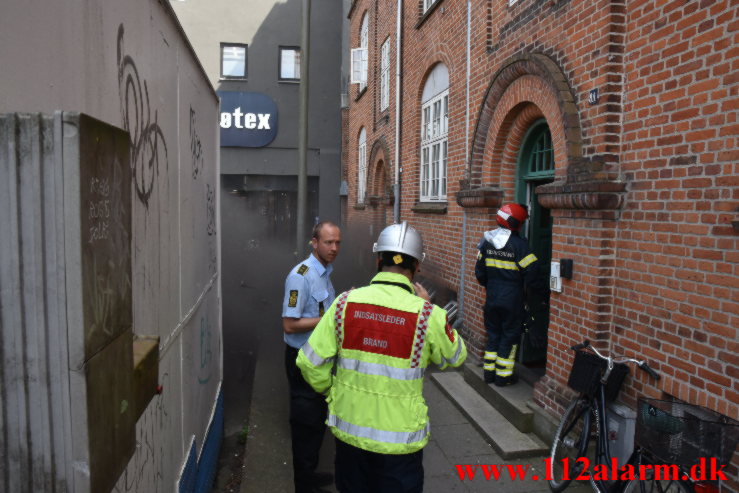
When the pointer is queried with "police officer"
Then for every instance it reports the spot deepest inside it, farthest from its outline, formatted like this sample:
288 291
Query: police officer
381 338
308 294
505 266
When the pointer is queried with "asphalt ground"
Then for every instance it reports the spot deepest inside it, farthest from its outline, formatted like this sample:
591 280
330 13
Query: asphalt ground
267 461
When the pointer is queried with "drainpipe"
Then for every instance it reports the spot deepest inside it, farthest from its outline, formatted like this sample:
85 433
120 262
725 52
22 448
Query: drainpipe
303 131
396 185
463 263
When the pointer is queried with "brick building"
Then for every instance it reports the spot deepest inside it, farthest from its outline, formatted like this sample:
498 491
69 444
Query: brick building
616 122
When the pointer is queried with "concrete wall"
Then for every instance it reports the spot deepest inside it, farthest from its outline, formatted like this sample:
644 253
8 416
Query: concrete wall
130 65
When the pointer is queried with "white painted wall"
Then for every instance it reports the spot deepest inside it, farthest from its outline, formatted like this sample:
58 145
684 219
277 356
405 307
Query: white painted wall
129 64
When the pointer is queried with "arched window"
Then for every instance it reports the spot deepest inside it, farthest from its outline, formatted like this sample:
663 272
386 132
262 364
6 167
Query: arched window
362 167
434 132
537 152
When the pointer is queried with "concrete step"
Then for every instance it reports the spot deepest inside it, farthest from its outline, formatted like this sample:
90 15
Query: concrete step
509 401
507 441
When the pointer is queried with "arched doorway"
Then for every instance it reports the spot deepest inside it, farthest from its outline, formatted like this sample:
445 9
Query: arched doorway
536 167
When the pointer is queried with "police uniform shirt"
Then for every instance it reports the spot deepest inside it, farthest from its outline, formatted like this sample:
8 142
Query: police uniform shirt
308 293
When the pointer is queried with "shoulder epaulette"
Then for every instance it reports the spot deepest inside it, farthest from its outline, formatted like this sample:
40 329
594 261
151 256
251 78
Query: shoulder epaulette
303 269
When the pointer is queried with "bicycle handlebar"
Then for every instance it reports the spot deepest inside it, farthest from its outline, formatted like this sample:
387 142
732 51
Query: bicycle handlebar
641 364
644 366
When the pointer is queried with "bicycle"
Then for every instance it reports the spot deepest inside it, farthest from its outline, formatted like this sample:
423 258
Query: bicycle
671 437
598 380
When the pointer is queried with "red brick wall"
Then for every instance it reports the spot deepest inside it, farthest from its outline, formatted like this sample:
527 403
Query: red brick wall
677 267
648 178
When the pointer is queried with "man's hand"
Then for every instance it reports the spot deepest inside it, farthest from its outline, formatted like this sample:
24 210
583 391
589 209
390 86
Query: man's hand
421 291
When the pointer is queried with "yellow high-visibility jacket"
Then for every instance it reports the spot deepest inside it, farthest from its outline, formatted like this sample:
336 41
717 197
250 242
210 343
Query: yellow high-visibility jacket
382 338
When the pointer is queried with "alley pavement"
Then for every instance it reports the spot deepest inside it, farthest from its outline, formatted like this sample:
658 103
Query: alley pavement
454 441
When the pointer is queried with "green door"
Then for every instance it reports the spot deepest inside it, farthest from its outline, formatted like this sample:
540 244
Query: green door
536 167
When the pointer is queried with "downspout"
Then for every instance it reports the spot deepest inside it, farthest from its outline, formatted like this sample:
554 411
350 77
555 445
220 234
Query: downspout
303 131
463 263
396 185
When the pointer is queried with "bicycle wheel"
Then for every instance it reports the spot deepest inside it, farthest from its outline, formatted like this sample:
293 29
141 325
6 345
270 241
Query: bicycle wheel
570 443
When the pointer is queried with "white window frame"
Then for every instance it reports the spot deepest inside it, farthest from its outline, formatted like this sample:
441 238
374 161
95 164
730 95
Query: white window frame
385 75
362 167
434 148
363 45
359 66
427 5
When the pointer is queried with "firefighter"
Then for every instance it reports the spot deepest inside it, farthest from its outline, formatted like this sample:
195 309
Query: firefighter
381 338
507 269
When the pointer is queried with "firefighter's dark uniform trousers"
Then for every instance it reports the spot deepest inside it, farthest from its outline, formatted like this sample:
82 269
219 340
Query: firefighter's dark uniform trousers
504 272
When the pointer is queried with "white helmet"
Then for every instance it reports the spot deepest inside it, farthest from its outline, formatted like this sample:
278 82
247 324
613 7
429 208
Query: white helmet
401 238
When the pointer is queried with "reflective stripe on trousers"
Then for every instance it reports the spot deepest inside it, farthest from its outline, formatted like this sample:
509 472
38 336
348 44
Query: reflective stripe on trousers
489 361
504 366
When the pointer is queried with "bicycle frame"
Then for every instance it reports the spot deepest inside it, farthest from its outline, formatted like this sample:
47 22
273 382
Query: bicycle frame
602 446
595 413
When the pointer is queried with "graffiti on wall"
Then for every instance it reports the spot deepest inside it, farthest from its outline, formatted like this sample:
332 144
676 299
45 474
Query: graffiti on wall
147 142
206 354
105 234
198 163
196 148
210 204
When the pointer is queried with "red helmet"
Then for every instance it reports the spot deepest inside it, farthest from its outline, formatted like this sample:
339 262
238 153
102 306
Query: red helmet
512 216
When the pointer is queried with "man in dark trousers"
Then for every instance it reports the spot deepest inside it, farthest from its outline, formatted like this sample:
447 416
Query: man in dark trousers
380 339
507 269
308 293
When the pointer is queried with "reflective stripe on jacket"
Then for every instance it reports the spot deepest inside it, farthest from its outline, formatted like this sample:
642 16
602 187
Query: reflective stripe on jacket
504 271
382 338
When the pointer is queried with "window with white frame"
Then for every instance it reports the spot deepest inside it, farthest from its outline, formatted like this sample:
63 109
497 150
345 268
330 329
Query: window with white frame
434 133
385 75
362 167
359 56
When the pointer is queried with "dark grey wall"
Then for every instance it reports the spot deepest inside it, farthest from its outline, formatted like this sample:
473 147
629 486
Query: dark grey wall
265 26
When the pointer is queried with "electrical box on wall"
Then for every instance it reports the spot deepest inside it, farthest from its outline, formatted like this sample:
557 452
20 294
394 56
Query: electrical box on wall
555 280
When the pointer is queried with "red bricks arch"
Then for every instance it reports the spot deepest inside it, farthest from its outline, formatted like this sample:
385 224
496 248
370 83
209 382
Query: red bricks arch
378 169
526 88
502 149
